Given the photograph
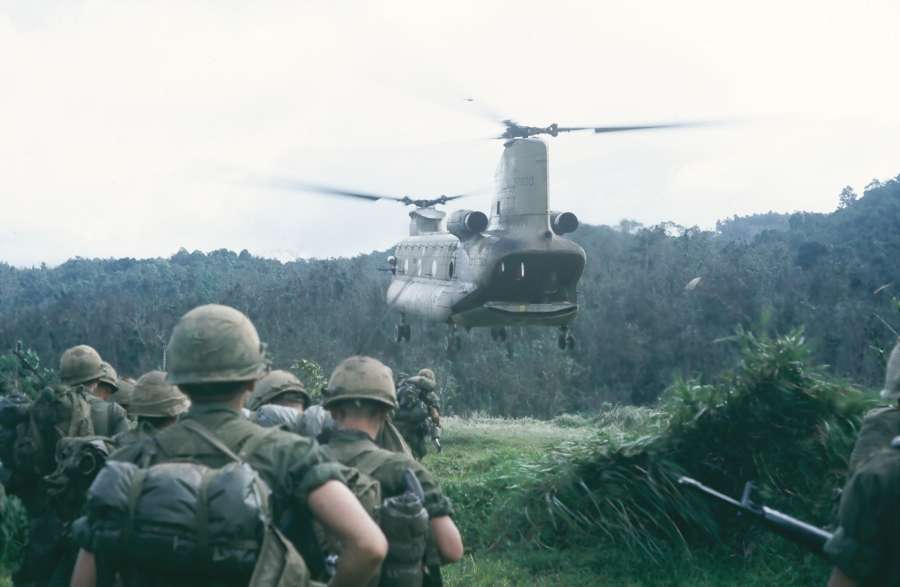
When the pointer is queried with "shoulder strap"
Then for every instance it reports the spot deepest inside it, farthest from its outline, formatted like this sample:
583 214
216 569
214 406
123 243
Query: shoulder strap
201 431
369 461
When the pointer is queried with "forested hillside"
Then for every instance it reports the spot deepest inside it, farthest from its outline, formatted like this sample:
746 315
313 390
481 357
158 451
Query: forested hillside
640 325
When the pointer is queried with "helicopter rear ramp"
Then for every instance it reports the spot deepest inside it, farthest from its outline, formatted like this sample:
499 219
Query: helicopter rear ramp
512 313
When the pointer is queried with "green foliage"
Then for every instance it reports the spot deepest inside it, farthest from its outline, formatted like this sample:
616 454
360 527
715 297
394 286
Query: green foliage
776 419
312 376
639 327
13 531
21 370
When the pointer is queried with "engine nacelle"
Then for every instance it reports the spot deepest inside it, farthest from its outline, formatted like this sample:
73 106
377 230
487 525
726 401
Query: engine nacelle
465 224
563 222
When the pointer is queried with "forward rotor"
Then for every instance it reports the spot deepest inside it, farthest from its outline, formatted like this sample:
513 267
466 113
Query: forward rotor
327 190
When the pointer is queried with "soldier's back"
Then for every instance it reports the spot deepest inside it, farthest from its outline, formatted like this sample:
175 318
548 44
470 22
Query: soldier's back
878 428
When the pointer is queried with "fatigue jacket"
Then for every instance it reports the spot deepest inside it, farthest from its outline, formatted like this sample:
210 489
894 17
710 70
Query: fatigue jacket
866 544
356 449
291 465
878 428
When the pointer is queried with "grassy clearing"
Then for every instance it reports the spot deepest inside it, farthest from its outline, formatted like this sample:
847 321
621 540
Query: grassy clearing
482 467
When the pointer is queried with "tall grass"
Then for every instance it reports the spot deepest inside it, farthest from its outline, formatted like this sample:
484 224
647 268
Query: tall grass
776 419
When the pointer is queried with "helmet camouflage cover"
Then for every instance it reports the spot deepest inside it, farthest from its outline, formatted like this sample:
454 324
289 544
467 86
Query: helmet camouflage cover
155 398
361 378
214 344
80 364
126 389
275 385
891 389
109 377
427 374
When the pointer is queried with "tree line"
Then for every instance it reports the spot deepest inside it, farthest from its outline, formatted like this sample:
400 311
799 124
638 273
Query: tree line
656 303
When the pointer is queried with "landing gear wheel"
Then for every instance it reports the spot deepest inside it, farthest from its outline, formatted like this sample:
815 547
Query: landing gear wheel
570 343
561 342
454 343
403 332
498 334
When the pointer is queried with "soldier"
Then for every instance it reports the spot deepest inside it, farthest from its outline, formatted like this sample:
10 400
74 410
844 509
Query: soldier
81 367
278 399
59 413
419 414
123 396
156 404
881 424
215 357
108 384
864 547
360 396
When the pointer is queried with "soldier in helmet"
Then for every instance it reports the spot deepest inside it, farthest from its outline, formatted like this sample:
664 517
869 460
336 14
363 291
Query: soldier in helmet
278 399
360 396
123 395
108 384
81 368
864 548
881 424
156 404
215 357
419 413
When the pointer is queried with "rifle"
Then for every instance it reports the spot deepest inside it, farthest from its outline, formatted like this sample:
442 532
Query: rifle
806 535
434 431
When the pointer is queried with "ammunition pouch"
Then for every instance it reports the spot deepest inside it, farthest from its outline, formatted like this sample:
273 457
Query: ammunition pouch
405 524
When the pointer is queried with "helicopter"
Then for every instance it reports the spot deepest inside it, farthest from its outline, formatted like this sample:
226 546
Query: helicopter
512 266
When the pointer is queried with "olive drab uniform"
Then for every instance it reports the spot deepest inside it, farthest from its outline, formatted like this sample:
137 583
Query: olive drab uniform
152 399
356 449
418 413
290 465
60 412
209 346
867 540
363 379
881 425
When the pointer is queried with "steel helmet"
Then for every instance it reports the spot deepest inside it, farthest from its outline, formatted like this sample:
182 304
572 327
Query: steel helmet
109 377
155 398
276 385
126 389
80 364
362 378
214 344
891 389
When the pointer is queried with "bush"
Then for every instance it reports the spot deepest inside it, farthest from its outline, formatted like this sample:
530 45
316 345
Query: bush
776 419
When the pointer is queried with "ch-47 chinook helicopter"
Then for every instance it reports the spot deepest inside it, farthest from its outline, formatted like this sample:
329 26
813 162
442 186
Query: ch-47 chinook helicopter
513 266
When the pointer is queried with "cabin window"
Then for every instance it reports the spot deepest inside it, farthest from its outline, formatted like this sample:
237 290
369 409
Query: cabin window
434 268
522 269
498 208
450 270
406 266
419 263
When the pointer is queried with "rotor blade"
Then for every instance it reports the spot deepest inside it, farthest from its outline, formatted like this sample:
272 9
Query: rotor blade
626 128
316 188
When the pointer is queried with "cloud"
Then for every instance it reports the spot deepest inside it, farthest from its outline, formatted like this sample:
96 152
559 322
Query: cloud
128 126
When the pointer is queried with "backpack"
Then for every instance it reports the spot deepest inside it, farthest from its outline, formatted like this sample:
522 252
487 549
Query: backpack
182 523
58 412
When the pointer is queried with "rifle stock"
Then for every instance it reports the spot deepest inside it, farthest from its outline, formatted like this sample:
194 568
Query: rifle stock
806 535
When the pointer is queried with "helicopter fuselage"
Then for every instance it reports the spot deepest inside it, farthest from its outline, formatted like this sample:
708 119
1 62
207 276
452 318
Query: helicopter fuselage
518 270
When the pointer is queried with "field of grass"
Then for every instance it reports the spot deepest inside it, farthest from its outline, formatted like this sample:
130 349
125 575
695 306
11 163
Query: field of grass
480 466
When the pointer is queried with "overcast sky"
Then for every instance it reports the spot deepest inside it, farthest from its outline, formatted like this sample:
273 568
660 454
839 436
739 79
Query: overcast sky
130 128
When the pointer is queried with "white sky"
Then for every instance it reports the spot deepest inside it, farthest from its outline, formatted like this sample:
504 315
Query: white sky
128 127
